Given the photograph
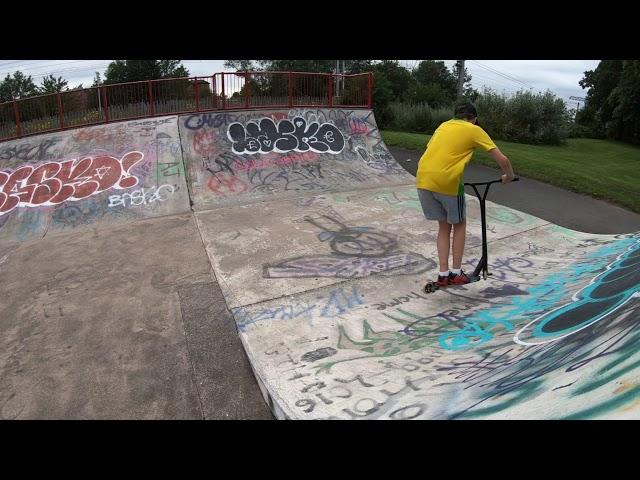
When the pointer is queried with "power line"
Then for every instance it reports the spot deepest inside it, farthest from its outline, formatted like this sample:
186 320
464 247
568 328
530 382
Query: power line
32 72
30 68
503 75
493 80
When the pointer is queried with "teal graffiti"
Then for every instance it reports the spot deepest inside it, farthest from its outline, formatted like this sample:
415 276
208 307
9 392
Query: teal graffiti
478 328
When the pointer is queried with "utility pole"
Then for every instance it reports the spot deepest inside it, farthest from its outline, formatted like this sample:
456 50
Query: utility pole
460 78
578 99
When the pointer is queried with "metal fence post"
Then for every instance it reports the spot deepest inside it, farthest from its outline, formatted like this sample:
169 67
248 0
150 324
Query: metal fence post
152 106
16 112
105 104
197 92
246 90
222 85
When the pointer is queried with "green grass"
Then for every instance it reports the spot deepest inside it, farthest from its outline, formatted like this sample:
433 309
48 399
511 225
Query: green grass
599 168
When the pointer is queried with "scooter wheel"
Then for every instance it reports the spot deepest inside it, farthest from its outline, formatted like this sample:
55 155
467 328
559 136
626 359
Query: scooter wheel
430 287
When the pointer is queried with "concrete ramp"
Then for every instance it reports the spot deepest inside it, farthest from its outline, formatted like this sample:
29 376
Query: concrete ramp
346 335
101 175
321 255
257 156
108 306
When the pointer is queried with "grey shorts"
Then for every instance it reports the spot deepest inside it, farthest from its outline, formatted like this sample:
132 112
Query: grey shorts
437 206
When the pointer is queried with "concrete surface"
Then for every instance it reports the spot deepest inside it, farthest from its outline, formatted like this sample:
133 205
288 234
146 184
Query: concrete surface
296 234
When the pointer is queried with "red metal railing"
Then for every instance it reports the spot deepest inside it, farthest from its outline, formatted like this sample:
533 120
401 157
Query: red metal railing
150 98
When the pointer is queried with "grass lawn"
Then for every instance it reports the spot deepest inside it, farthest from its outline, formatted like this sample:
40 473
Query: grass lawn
600 168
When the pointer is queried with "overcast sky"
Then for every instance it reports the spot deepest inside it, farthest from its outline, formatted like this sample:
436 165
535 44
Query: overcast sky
559 76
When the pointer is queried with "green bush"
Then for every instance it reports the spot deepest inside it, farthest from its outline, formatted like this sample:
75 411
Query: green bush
538 119
411 117
417 117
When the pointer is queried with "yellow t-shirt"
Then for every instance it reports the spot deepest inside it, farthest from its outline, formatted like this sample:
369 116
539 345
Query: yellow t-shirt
450 149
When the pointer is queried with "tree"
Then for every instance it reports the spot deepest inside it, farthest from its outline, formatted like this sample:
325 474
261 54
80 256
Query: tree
240 65
51 84
625 117
122 71
436 72
16 87
402 83
97 81
600 104
321 66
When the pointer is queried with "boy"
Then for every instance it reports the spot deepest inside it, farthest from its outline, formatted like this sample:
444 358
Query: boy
440 184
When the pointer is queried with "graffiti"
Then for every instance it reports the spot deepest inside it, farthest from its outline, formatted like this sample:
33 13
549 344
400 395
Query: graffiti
356 252
286 136
212 120
506 375
223 163
74 215
163 144
398 300
152 123
318 354
337 302
507 216
273 160
170 169
296 177
354 267
53 183
382 161
103 135
605 293
358 126
353 241
221 184
142 197
29 151
603 296
204 142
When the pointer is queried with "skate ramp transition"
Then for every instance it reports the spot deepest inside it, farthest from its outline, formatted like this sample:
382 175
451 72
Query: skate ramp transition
95 176
317 240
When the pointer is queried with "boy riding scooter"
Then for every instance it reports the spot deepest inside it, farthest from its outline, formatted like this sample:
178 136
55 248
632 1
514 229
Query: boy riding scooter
441 189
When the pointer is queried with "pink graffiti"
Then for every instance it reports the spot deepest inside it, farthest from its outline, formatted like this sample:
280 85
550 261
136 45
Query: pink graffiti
275 159
102 135
204 142
278 116
358 126
223 183
53 183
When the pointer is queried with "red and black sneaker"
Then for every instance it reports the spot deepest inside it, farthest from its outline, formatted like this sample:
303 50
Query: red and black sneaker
458 279
443 282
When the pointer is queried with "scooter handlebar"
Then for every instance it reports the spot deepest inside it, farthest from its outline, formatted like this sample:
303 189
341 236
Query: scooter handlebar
491 182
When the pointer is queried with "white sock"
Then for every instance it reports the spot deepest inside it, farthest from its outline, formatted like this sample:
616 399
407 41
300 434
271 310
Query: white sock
456 271
444 274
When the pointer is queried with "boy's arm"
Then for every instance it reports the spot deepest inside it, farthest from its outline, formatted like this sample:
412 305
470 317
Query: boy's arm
504 163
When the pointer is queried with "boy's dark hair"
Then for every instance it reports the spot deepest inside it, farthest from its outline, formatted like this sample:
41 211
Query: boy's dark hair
465 110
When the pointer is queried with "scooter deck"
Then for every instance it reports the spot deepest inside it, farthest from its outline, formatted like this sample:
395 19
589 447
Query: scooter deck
431 287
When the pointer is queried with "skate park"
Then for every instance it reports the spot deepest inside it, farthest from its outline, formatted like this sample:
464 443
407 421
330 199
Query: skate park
259 263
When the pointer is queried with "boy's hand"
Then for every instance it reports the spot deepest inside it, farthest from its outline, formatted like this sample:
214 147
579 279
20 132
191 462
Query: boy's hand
507 178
